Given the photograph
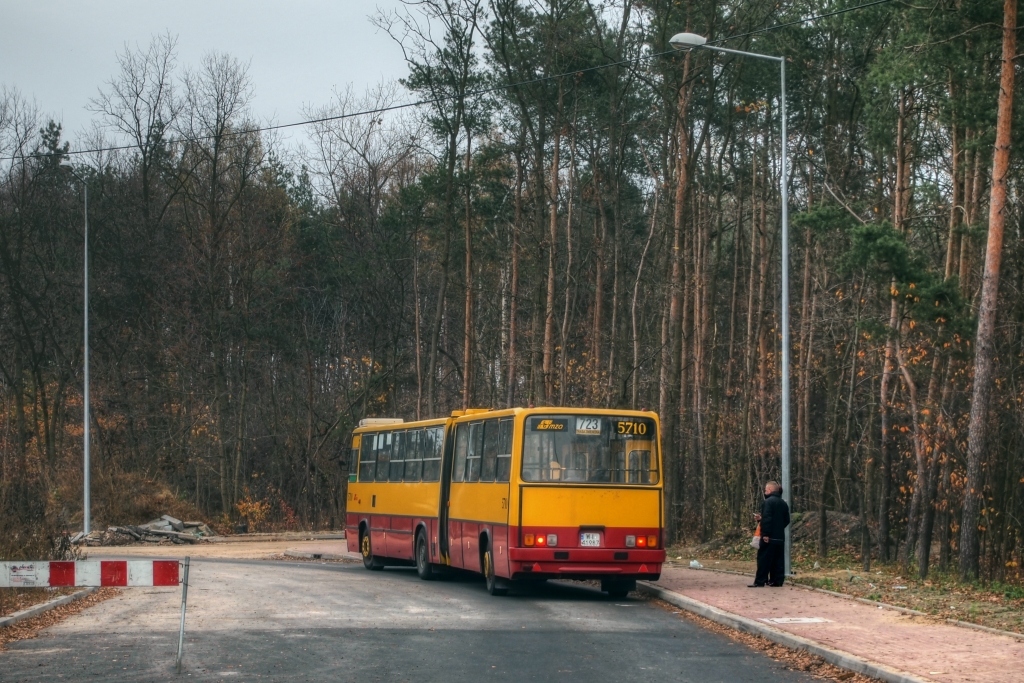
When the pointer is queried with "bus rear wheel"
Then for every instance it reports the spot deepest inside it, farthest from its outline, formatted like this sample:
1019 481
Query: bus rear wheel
495 584
424 569
366 550
617 589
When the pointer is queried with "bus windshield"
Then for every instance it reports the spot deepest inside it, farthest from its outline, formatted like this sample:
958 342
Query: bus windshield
590 449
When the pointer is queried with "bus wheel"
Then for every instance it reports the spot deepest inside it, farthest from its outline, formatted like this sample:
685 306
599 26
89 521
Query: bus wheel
423 567
495 585
617 589
369 561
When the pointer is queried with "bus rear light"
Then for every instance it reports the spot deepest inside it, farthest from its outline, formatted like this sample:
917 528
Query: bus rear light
527 539
641 541
652 541
541 540
630 541
552 540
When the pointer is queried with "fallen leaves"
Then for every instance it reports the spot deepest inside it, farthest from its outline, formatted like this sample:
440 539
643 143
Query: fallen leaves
16 599
30 628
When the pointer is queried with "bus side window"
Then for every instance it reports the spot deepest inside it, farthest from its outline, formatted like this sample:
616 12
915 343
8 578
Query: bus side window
367 458
431 442
488 462
413 456
398 457
476 448
461 452
383 456
504 461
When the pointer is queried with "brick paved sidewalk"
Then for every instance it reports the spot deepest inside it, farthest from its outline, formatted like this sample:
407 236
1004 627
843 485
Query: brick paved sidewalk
924 647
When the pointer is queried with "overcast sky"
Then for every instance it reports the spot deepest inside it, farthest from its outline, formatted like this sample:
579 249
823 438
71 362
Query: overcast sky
60 52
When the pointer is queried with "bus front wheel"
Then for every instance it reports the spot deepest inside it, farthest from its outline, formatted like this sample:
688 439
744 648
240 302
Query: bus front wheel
366 550
423 567
495 584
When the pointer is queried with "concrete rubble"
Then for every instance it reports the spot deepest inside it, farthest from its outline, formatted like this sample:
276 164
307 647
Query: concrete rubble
166 529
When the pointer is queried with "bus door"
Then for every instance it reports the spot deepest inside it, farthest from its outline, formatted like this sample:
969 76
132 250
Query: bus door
444 499
499 450
478 499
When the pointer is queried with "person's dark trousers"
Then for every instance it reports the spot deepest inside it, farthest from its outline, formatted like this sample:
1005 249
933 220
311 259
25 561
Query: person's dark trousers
771 563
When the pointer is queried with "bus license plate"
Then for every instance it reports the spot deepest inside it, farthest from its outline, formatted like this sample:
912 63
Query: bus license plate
590 540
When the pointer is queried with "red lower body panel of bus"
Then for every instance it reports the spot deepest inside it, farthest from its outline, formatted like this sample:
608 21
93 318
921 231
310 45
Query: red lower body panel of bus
391 536
585 563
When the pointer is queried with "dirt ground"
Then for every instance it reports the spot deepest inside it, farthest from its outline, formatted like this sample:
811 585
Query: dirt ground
235 551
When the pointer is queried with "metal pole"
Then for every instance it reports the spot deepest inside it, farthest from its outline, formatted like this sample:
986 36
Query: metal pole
86 507
784 182
784 187
181 630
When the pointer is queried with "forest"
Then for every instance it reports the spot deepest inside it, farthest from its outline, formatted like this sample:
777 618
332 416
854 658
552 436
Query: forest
552 207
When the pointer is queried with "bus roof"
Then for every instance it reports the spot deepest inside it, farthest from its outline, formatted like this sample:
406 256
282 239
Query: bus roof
382 424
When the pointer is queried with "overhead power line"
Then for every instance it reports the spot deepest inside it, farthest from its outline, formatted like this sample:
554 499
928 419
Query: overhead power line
435 100
797 22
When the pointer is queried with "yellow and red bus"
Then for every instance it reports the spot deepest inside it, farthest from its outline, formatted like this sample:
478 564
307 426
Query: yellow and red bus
514 494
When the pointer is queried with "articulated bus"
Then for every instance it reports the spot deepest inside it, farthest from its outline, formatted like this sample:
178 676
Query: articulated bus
516 494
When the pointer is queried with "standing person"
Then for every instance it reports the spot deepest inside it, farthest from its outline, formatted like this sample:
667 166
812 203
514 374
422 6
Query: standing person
771 556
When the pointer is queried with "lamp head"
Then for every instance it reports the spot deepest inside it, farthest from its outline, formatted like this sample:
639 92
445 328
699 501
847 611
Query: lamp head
686 41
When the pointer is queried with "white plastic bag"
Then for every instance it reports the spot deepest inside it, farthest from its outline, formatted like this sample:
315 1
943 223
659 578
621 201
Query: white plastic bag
755 542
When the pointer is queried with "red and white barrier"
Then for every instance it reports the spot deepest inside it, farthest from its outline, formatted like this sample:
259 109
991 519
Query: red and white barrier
89 573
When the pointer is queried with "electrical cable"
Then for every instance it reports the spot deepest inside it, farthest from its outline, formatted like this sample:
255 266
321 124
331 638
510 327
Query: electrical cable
435 100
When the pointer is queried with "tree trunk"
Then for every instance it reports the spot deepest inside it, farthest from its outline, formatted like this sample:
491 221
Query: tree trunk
417 324
549 307
563 357
929 512
985 341
513 306
600 233
885 448
636 296
920 475
467 346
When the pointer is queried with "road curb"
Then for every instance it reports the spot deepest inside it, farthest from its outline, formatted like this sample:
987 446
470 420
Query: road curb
986 629
45 607
304 555
288 536
839 658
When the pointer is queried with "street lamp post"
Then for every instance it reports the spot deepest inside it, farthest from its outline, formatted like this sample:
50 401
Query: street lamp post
85 393
687 41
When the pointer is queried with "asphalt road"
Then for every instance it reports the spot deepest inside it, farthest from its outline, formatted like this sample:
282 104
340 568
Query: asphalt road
278 621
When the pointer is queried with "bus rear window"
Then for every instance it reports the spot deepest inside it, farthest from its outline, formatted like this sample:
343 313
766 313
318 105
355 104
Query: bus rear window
593 449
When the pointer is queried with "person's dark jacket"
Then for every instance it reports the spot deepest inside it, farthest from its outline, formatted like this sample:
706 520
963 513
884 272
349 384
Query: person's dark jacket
774 517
